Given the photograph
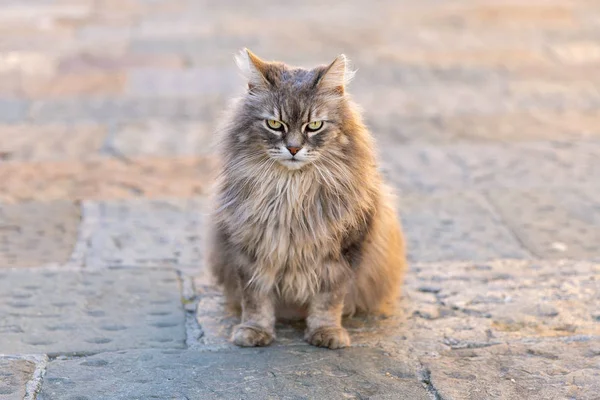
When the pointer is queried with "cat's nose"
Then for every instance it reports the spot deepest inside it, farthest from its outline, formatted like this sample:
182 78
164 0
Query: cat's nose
293 150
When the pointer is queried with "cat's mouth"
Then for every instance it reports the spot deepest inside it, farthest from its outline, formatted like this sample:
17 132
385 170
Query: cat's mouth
293 163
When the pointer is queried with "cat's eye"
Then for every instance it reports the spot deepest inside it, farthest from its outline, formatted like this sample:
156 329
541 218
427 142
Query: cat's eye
314 126
275 125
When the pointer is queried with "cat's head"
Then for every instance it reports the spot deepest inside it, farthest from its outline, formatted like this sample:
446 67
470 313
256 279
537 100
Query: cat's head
293 115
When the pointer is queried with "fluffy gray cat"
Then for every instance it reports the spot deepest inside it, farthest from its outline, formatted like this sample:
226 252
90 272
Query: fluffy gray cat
303 225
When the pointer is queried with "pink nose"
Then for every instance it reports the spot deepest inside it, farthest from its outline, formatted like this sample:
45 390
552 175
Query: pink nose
293 150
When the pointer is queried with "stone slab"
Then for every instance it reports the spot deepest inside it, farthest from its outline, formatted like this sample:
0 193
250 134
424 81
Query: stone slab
102 177
83 312
37 233
552 223
484 304
50 142
185 83
454 306
122 109
145 233
469 166
503 127
12 111
455 226
14 375
273 373
75 85
160 138
537 370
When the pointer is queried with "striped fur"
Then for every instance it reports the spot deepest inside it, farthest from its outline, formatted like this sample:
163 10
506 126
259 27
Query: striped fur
284 232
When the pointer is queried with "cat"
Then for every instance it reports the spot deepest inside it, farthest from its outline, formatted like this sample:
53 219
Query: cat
303 225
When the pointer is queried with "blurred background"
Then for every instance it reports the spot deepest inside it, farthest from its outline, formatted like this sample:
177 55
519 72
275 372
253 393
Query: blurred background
486 116
476 105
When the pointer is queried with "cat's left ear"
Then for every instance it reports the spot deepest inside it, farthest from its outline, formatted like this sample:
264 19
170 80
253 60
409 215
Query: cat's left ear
336 75
254 69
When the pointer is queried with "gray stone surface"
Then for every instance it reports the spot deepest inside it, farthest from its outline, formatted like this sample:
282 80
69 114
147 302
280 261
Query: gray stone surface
558 369
456 305
12 111
82 312
471 305
275 373
144 233
155 138
553 223
105 110
14 375
34 234
467 166
491 128
457 226
208 81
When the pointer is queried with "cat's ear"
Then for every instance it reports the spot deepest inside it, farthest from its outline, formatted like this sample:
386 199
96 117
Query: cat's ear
336 75
253 68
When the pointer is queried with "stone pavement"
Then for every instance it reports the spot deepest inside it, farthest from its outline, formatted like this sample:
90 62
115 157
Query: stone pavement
487 116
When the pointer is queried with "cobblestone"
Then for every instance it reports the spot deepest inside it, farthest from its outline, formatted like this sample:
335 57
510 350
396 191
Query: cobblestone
104 310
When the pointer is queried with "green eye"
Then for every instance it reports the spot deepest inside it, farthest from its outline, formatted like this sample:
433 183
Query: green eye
275 125
314 126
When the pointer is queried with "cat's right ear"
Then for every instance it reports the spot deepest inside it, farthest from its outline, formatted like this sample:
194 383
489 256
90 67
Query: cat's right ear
254 69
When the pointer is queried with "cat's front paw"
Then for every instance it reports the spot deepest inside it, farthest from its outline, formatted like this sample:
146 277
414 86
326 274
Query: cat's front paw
251 336
332 337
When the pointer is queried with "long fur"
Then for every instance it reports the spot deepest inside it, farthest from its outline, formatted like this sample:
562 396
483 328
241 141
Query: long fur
293 233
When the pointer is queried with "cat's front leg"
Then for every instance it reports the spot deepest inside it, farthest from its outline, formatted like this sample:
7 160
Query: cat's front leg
258 319
324 323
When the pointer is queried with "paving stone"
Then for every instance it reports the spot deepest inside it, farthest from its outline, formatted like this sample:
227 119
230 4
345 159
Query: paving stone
35 234
490 165
83 312
49 142
187 82
456 226
10 85
159 138
144 233
297 372
12 111
104 110
509 128
454 308
543 370
85 62
552 223
484 304
577 52
106 178
14 375
75 85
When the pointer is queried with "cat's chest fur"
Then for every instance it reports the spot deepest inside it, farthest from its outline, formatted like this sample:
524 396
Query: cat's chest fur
291 225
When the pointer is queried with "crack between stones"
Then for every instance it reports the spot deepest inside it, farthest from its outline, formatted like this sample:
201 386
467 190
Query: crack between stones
34 385
425 379
189 301
496 212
